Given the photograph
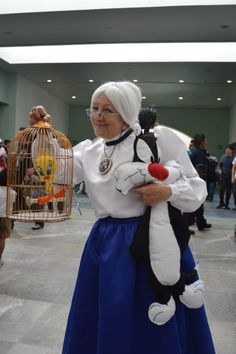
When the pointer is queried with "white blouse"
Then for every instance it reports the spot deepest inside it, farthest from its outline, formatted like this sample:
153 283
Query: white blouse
187 193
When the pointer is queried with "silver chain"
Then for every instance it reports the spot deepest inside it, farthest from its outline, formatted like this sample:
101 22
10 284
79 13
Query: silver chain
108 157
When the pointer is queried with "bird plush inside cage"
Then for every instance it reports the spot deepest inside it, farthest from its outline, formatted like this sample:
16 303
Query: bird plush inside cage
40 171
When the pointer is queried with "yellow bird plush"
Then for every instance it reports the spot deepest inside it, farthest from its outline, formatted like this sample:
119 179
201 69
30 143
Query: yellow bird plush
46 166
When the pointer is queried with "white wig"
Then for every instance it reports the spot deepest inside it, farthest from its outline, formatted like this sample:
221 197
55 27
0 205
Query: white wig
126 98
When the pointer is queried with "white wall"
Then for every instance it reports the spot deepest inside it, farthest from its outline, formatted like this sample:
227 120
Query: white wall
232 124
28 95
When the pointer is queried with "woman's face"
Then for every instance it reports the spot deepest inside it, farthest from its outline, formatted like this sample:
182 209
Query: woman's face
106 121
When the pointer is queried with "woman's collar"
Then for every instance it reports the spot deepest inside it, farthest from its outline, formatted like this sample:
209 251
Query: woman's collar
119 138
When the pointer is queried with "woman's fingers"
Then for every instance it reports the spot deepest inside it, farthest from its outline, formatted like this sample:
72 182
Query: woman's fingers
154 193
39 113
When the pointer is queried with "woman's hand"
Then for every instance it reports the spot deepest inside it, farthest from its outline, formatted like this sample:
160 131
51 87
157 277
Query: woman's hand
39 113
154 193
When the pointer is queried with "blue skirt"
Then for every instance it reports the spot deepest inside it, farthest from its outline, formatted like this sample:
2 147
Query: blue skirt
109 310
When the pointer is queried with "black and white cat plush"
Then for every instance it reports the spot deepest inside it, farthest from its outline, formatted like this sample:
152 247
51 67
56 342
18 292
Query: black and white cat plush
162 234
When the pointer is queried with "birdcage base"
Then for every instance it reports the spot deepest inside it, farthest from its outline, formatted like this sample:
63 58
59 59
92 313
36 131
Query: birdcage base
55 210
29 216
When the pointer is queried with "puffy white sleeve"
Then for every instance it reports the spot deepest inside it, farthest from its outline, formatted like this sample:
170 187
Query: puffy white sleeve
78 151
189 191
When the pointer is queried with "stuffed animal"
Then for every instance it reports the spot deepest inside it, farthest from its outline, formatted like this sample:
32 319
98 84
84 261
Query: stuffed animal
163 247
46 166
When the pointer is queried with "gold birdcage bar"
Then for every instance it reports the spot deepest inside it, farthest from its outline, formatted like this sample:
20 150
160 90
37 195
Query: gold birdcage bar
39 175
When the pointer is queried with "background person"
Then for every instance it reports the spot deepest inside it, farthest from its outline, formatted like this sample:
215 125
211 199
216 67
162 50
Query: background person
198 156
31 190
6 144
225 177
233 180
3 156
148 119
5 223
212 176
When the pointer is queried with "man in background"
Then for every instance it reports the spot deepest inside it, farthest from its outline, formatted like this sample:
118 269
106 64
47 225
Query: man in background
198 156
225 178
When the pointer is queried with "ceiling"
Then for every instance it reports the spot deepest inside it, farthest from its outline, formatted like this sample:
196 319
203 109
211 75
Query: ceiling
203 82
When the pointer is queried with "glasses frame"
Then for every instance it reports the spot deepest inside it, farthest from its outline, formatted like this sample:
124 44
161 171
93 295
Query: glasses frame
90 112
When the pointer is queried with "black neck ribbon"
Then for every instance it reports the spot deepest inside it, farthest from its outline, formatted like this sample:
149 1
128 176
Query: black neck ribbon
120 139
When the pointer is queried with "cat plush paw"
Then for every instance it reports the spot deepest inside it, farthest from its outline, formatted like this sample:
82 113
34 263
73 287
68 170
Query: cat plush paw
161 313
193 295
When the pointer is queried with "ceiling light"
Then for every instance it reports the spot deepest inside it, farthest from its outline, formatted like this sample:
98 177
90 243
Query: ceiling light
135 80
229 81
144 97
219 99
180 98
23 6
122 53
74 97
91 80
49 80
181 81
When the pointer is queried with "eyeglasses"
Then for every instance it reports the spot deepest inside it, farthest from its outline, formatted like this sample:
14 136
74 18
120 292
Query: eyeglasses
92 112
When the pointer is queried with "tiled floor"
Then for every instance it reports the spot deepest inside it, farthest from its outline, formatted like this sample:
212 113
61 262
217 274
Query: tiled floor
40 267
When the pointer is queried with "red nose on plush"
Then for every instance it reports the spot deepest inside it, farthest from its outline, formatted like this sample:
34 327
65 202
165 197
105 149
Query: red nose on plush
158 171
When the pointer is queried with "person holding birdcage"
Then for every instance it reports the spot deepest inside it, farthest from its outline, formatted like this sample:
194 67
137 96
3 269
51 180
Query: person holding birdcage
109 308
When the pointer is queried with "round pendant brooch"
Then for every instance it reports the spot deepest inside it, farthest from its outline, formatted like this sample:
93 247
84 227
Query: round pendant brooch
105 166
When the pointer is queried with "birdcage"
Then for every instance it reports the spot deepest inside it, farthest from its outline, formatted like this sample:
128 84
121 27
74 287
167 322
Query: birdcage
39 175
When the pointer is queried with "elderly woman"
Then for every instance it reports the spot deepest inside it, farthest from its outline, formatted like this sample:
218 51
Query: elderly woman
108 314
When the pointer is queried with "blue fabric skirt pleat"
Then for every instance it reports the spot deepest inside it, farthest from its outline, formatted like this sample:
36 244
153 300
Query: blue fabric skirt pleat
109 310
